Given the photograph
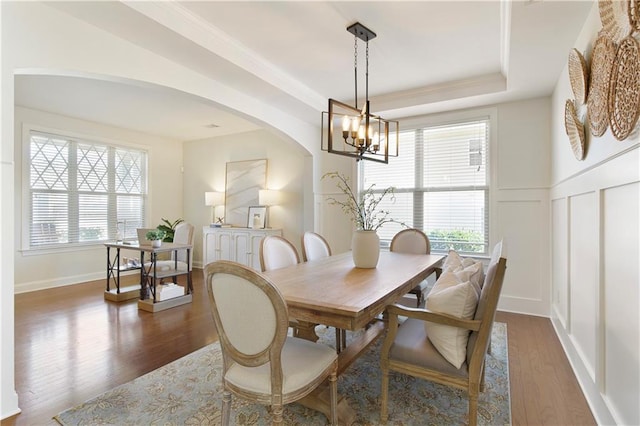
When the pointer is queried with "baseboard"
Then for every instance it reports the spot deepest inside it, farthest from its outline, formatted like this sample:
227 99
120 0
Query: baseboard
9 406
590 390
522 305
62 281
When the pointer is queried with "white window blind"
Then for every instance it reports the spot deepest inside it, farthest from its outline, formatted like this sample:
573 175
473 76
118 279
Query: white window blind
80 191
442 185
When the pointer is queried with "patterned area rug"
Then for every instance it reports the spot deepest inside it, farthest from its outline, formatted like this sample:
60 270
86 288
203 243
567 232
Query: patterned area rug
188 392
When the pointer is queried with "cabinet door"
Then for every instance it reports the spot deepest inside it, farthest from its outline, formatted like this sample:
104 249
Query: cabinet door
225 246
254 256
242 248
209 248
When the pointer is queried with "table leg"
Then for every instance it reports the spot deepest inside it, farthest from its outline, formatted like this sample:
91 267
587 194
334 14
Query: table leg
307 330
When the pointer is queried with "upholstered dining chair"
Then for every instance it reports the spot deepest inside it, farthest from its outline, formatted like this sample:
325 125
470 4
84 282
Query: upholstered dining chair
314 246
277 252
260 362
413 241
408 350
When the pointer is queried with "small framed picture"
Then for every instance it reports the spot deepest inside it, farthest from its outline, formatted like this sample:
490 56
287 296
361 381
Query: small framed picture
257 217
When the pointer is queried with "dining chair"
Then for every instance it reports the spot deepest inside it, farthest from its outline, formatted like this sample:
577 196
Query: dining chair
314 246
413 241
277 252
260 362
408 350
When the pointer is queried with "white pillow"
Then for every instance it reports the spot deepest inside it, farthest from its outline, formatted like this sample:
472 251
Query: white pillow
455 263
447 279
459 300
452 261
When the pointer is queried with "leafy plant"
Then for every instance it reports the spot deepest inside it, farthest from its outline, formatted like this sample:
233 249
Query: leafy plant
362 208
155 234
169 228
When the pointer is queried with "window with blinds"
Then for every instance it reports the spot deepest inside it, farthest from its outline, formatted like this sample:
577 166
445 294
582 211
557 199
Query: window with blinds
83 192
442 185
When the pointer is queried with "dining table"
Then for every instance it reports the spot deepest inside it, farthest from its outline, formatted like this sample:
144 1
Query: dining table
333 292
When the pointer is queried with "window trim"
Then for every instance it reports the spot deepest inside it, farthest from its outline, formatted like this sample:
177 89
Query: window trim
489 114
25 189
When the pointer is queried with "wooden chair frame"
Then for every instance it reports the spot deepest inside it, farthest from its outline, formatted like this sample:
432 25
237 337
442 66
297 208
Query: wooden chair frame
272 354
473 384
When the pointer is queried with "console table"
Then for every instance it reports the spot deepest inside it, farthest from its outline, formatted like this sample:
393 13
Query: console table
149 275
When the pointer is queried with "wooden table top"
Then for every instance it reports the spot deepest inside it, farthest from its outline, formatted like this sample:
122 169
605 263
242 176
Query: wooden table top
334 292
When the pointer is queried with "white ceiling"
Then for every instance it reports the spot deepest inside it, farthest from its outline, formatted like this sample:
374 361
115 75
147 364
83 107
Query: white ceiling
429 56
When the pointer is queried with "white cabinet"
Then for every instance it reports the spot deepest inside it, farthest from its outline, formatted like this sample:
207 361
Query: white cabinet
240 245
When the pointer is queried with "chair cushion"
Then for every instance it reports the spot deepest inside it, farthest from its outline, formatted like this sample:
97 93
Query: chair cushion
412 345
459 300
302 362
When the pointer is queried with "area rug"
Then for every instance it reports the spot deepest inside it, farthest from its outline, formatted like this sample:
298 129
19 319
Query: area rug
188 392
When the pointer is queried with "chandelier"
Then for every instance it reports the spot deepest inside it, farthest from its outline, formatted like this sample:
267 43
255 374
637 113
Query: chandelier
361 134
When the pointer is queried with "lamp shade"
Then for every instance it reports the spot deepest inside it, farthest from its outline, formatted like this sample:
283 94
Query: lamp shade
268 197
213 198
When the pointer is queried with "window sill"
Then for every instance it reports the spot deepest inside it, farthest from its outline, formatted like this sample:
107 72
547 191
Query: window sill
62 249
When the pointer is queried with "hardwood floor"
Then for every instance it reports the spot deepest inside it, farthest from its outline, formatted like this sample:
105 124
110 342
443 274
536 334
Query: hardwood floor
72 345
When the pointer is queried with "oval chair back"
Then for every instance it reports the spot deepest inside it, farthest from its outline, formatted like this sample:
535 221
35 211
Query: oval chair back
314 246
276 252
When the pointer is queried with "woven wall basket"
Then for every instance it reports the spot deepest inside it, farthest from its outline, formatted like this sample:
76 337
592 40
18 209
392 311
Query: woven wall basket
574 129
634 15
604 52
624 89
615 18
578 75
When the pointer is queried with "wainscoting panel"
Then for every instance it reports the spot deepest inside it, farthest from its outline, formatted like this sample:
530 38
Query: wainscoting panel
621 294
583 276
559 263
596 253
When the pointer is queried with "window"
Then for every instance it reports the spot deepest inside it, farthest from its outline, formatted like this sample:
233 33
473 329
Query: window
442 185
81 191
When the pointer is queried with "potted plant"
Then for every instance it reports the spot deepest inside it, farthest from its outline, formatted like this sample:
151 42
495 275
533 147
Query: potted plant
156 236
169 228
365 213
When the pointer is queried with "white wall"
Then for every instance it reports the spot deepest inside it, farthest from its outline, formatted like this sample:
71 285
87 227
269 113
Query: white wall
37 269
205 165
595 253
520 203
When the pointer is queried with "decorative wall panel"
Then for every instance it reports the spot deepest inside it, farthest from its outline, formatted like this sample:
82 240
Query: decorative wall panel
621 294
583 276
559 264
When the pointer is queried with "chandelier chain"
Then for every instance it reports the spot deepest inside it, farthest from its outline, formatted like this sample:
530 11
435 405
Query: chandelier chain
366 93
355 67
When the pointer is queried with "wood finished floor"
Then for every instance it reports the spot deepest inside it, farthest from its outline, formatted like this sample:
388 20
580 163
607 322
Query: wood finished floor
71 345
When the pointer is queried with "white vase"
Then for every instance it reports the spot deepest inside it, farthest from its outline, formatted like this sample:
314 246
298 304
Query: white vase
365 249
156 243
